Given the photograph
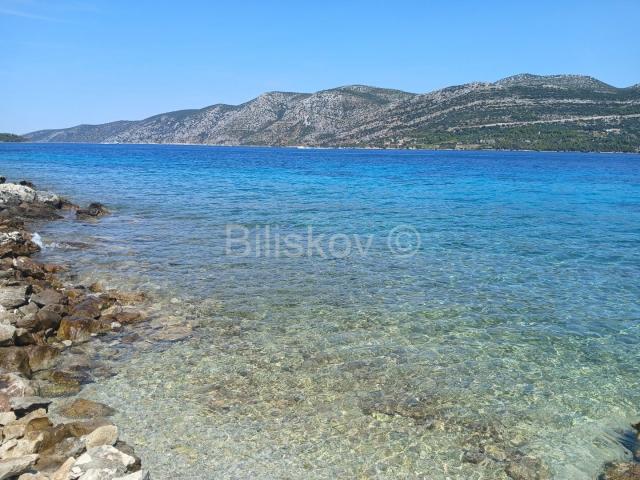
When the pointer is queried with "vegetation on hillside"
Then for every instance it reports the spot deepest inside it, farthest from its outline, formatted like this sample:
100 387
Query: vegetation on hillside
10 137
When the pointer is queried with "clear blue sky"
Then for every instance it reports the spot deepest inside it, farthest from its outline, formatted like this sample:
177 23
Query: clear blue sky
68 62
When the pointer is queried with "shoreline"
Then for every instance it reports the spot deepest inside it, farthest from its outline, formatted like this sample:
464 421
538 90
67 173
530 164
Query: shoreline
46 320
305 147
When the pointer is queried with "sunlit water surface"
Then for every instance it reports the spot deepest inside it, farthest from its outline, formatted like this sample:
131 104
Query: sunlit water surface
513 330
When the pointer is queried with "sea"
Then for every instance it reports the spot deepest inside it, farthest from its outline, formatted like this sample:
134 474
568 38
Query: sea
361 313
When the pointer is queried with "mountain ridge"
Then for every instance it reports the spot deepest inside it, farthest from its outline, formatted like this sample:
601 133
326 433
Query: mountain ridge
525 111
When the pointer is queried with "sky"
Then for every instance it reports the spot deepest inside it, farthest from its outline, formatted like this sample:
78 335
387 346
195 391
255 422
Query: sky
66 62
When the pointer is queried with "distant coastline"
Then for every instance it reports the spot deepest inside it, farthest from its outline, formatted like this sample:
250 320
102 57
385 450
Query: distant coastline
523 112
305 147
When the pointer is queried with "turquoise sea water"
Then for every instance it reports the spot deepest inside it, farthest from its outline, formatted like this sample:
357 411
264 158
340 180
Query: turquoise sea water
512 329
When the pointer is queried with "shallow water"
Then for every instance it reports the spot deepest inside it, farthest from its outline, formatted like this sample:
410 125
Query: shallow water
513 328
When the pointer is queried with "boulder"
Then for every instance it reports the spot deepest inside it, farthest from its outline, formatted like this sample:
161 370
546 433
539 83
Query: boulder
28 267
105 435
7 335
6 418
47 317
24 446
13 195
14 385
81 329
41 357
64 472
83 408
100 459
13 297
17 243
89 307
47 297
49 198
93 210
16 466
15 359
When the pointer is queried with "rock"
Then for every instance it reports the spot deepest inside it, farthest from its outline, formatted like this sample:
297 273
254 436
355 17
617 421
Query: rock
622 471
123 315
13 431
94 210
7 335
15 359
25 337
41 357
59 383
27 183
45 318
5 403
89 307
15 385
6 418
17 243
28 309
126 298
527 468
106 435
13 297
83 408
64 472
80 329
24 446
24 405
16 466
139 475
49 198
13 195
28 267
474 456
33 476
96 287
47 297
128 449
103 458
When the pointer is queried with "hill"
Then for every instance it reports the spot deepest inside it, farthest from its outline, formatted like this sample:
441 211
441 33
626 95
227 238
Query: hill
558 112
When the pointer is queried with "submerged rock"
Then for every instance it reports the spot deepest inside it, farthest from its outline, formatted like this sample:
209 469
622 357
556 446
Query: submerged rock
527 468
83 408
93 210
622 471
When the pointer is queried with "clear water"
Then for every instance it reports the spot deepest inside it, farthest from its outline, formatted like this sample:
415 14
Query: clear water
514 327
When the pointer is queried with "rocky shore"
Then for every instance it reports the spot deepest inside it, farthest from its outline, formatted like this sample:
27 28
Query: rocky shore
44 320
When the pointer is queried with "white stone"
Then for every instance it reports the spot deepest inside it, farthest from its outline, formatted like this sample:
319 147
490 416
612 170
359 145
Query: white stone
7 335
47 197
13 297
105 435
16 466
64 472
7 417
12 194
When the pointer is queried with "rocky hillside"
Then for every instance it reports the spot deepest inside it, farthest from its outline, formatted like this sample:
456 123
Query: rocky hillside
559 112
